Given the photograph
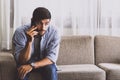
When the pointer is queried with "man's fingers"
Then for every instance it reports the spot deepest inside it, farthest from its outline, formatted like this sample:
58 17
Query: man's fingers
34 33
23 74
32 29
23 71
20 73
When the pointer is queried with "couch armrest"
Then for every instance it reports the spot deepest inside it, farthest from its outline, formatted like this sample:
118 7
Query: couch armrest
7 66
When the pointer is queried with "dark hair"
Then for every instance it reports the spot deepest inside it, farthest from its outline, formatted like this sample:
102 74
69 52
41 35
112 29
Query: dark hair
39 14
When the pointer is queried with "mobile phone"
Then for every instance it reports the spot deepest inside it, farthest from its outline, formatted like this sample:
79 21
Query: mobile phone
33 22
36 30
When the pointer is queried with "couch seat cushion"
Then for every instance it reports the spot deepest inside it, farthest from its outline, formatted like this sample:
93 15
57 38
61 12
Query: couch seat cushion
80 72
112 70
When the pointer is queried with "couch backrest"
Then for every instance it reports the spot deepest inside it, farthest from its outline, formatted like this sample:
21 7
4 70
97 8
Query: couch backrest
76 50
107 49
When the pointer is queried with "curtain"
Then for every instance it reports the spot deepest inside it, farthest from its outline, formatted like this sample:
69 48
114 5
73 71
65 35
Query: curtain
109 17
72 17
5 24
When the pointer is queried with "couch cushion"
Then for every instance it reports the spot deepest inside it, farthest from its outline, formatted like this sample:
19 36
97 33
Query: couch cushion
107 49
81 72
112 70
76 50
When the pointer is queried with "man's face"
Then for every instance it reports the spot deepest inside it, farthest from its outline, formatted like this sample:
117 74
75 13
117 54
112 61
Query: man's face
42 26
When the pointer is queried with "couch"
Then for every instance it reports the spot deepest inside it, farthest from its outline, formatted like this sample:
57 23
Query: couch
80 58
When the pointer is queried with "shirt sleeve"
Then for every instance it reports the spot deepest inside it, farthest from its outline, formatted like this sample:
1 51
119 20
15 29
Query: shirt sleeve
53 47
18 43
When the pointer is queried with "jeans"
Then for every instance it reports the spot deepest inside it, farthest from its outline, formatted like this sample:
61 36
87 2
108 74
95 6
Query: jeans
48 72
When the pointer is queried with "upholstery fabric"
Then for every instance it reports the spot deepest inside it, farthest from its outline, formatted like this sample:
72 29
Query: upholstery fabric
7 67
76 50
107 49
112 70
81 72
78 59
5 56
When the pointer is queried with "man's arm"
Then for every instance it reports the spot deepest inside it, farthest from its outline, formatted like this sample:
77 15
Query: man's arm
42 63
23 48
25 54
51 52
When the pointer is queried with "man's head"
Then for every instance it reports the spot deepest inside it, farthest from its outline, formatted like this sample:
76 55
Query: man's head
40 19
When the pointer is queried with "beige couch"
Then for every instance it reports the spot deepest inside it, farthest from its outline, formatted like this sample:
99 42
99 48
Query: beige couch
80 58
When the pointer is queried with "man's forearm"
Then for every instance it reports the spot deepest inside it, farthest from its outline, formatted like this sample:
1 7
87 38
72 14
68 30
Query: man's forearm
42 63
25 53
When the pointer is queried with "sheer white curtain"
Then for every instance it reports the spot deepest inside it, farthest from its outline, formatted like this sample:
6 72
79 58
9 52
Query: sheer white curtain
109 17
23 10
73 17
5 24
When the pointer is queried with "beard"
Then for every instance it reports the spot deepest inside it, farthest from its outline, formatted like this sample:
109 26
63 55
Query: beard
42 32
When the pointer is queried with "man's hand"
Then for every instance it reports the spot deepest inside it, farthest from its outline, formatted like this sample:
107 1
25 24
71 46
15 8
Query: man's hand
23 70
31 33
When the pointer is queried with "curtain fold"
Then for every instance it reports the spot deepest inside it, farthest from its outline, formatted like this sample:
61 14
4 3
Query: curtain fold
5 24
109 17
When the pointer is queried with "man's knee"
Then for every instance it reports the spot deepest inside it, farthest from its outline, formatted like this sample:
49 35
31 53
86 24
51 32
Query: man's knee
51 68
50 71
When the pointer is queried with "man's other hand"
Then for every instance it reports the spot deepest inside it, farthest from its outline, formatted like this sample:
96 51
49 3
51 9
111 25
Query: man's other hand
23 70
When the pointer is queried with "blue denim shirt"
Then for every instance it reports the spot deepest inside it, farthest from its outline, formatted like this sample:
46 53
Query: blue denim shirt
49 42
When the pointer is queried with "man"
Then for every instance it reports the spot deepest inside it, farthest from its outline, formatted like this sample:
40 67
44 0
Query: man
36 46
